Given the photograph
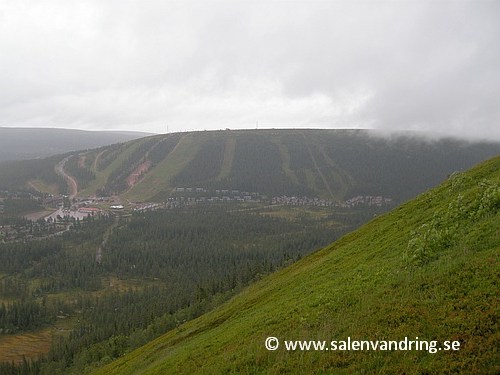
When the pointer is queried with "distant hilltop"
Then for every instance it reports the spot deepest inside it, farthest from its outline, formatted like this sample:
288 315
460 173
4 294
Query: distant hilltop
32 143
333 165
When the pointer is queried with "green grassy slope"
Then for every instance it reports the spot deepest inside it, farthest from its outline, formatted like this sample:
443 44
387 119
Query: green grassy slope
103 175
428 269
159 178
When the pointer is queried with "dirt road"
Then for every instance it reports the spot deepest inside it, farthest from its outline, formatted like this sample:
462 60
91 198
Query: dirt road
72 184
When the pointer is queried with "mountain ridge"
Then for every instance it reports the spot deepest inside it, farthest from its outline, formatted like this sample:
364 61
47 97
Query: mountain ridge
329 164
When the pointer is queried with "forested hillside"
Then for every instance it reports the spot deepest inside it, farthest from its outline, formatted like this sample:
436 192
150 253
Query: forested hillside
329 164
110 284
427 271
21 174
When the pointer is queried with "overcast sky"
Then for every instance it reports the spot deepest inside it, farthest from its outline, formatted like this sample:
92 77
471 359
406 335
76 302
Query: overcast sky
143 65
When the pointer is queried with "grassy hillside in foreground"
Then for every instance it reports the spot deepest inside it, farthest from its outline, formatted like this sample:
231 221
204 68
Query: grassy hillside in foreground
428 269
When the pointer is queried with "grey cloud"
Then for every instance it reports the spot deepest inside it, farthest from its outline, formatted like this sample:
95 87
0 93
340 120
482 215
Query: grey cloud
205 65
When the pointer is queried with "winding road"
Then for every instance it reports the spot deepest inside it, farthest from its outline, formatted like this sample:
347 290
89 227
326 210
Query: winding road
72 184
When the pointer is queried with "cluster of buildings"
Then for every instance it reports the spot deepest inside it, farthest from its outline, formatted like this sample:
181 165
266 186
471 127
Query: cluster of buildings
302 201
202 195
79 208
365 200
190 190
187 196
143 207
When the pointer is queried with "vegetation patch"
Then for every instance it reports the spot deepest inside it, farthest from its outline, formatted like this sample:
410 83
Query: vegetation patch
365 286
179 263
